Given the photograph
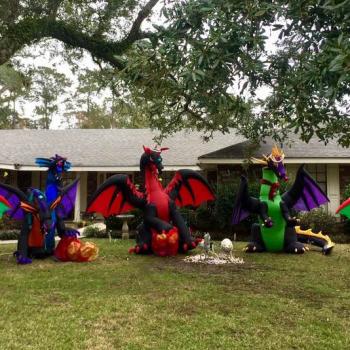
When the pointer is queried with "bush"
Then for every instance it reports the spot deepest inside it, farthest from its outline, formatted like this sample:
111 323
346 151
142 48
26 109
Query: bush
319 220
346 193
10 224
94 232
9 235
80 224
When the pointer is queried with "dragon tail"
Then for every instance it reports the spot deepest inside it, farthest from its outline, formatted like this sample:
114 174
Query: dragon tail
317 239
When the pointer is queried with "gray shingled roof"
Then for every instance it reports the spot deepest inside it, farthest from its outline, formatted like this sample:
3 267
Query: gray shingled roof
294 148
105 148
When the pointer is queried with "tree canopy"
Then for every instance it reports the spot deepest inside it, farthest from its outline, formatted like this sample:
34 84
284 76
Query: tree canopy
203 64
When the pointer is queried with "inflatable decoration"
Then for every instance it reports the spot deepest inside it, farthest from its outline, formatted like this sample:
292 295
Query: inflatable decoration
344 208
163 231
319 239
276 229
60 207
34 211
4 206
70 248
61 202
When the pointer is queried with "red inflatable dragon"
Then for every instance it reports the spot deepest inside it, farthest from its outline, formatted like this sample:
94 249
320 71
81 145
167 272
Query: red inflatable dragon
163 230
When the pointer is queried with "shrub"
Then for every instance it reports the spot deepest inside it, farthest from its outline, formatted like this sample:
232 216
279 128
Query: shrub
319 220
80 224
9 235
346 193
10 224
95 232
223 206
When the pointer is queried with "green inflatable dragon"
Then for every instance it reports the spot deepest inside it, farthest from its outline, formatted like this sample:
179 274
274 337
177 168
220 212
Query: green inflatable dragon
276 229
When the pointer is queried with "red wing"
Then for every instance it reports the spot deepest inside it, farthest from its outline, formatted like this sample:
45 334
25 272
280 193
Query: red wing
116 196
189 188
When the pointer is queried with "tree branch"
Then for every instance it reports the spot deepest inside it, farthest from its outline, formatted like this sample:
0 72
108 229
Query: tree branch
30 30
135 32
53 6
195 115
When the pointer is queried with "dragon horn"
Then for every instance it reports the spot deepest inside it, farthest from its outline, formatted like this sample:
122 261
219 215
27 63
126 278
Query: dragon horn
147 150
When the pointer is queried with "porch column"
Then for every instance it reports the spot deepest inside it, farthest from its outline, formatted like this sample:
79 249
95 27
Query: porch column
333 190
80 200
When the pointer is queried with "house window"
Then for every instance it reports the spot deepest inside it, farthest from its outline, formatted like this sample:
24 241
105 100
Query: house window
166 177
91 184
24 180
319 173
8 177
212 177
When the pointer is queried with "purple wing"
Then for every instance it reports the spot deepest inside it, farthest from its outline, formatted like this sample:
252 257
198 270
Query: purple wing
67 201
14 196
244 204
305 193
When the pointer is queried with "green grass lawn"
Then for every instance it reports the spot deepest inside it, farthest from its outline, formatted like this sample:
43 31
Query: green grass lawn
121 301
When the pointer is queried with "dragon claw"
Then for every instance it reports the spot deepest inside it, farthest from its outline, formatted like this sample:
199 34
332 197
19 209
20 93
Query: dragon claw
134 250
22 260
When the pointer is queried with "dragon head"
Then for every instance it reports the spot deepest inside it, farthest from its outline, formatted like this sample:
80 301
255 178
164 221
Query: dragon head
57 165
274 161
152 157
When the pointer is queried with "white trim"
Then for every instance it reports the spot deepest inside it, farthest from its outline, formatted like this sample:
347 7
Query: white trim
286 161
97 168
333 187
77 201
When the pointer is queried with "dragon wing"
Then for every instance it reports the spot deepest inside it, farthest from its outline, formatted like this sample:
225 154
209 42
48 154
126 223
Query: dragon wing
4 206
17 201
244 204
117 195
344 208
305 193
65 202
189 188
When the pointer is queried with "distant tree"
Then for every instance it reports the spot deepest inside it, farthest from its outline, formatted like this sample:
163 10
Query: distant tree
100 101
13 85
47 86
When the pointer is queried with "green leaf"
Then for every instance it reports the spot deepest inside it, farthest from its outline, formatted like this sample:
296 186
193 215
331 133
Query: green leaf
260 13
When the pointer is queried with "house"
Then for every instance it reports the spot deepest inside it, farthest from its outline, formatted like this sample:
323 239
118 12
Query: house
328 164
97 154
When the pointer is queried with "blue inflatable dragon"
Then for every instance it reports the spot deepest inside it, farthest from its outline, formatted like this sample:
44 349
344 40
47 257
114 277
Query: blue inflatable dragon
61 206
